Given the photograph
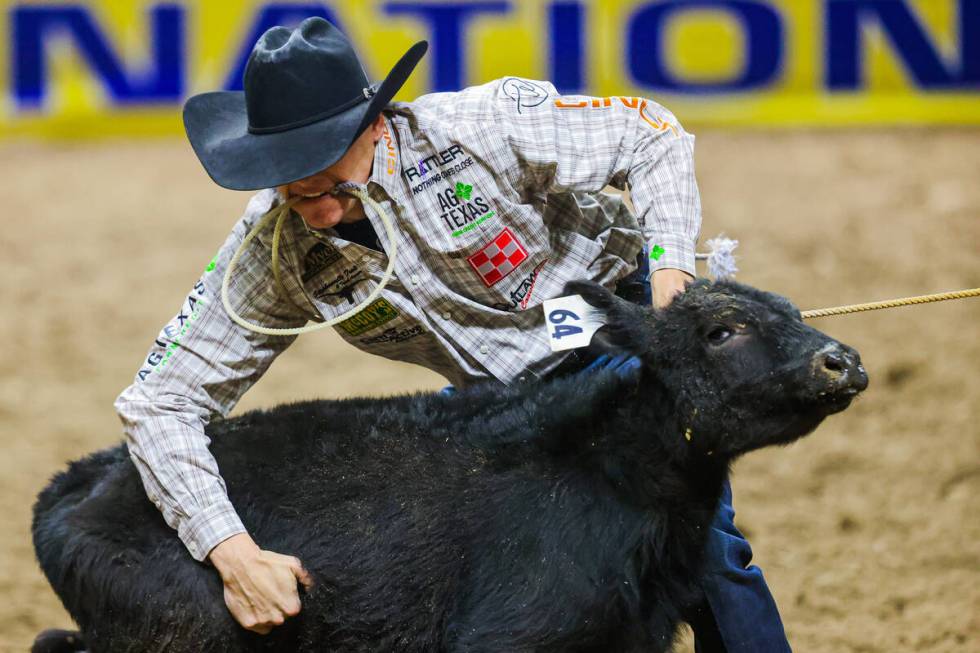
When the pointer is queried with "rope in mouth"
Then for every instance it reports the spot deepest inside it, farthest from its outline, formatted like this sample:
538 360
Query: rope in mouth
279 213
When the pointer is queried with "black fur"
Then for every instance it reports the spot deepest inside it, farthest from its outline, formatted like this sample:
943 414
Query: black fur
567 515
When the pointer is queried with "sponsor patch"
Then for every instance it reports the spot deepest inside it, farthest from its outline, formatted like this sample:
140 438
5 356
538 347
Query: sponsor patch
629 102
463 191
171 335
498 258
342 286
318 258
377 313
521 295
439 175
430 163
524 92
394 335
390 157
461 213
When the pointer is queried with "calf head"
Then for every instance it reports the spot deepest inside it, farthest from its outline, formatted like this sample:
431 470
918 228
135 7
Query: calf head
738 367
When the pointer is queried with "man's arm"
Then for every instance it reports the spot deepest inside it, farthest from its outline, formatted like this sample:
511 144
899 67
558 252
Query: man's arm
581 143
198 367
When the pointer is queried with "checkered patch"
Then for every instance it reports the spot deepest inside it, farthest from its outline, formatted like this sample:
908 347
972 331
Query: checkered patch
498 258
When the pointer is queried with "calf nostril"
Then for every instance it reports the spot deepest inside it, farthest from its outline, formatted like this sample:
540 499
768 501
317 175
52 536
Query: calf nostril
834 362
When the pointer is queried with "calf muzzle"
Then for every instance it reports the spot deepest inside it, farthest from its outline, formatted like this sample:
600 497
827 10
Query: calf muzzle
840 369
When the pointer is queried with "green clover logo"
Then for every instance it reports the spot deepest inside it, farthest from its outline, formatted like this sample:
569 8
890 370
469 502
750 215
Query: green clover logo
463 191
656 252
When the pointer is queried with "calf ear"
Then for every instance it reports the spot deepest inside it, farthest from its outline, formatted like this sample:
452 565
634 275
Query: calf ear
627 325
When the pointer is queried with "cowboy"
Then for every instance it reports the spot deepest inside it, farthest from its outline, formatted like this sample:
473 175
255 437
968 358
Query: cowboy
495 195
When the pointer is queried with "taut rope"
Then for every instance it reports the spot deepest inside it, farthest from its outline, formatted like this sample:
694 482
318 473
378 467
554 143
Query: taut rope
890 303
721 265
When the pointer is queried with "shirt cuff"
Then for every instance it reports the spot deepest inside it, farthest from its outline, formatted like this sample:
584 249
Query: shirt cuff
671 251
209 528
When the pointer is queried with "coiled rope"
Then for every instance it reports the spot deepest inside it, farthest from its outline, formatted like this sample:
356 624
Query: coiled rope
279 213
890 303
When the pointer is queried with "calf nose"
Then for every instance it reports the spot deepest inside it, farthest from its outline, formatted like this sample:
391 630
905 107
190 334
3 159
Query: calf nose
843 366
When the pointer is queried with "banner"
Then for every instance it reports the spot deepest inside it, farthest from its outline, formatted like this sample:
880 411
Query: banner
81 69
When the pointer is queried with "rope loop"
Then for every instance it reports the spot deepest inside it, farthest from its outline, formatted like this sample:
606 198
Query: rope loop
279 213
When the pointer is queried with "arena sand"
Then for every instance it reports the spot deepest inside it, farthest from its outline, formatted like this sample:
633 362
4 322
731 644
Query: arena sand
867 530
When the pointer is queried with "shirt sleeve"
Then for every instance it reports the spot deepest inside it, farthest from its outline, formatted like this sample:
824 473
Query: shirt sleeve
198 367
583 143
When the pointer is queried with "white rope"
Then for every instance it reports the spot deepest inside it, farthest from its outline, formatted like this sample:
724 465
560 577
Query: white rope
282 211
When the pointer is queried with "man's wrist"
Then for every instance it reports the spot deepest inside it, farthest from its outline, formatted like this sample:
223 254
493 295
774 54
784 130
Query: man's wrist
232 553
670 275
205 529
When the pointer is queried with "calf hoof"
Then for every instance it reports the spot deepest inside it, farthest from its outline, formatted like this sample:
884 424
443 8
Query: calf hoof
54 640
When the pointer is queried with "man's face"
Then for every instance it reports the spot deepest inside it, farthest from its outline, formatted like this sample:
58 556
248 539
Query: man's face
327 210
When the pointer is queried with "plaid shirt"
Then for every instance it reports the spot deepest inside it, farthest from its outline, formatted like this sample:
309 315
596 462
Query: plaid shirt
495 191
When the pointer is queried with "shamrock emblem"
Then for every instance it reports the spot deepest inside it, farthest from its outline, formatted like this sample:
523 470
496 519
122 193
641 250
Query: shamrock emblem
463 191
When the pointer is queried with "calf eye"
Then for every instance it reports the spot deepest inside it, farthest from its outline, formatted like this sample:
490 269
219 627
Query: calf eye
719 334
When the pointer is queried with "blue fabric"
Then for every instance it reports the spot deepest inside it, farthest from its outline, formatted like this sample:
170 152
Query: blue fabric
743 607
624 366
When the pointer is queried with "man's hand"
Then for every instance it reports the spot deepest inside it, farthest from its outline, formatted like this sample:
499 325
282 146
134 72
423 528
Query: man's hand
666 283
260 586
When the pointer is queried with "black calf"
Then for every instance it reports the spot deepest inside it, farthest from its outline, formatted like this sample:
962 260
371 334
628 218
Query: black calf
567 515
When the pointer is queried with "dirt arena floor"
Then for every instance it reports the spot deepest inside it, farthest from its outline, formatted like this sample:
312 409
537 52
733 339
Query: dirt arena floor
867 530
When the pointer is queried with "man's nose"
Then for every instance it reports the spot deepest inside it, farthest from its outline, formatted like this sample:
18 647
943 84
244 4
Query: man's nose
842 365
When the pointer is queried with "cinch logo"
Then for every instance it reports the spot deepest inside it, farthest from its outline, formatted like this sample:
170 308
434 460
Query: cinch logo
628 102
391 157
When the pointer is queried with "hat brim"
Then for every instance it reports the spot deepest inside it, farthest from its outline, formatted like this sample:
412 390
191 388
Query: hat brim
217 128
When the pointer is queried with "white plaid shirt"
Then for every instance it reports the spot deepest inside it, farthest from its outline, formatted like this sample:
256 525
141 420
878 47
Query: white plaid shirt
495 193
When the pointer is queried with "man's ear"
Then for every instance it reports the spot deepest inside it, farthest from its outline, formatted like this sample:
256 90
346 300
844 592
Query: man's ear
628 327
377 128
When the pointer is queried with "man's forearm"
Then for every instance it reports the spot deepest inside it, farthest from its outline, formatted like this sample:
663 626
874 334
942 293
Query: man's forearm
168 446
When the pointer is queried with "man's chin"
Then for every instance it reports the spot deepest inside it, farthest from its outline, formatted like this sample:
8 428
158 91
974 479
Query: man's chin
322 224
324 220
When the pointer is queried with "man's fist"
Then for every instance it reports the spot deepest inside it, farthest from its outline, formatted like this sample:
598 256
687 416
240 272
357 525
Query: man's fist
260 586
666 283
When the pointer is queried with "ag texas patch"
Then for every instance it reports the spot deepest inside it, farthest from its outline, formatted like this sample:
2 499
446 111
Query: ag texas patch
498 258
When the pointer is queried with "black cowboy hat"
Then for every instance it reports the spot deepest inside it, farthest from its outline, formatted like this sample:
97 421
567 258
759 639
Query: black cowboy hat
306 100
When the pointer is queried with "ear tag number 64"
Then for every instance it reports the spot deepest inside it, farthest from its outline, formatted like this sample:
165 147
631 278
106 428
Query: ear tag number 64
570 322
559 315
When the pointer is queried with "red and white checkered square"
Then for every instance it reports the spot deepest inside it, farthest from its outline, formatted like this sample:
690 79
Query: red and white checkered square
499 257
